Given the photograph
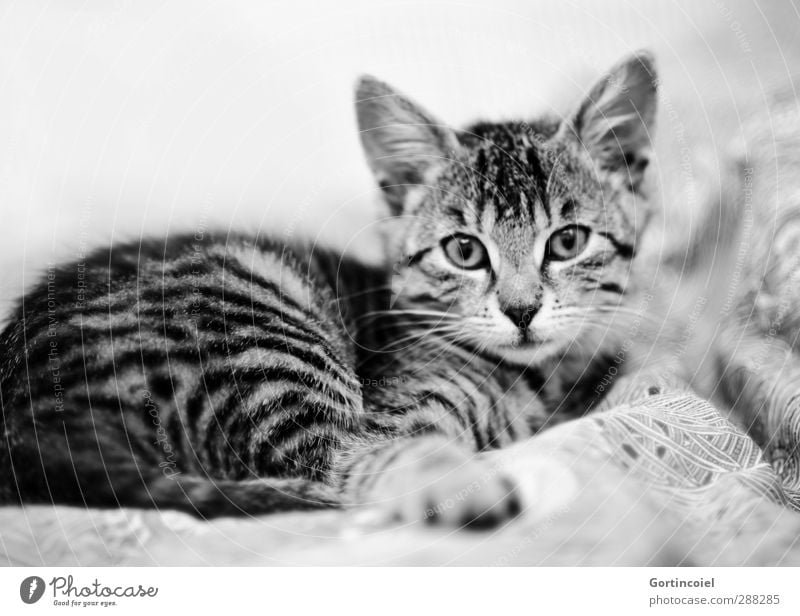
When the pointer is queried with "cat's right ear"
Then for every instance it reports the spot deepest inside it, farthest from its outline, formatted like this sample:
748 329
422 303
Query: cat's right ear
403 143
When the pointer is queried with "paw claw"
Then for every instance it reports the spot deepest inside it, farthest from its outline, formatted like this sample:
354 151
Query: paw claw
472 496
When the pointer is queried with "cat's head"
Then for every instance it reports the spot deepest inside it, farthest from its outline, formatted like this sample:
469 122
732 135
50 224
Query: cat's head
525 232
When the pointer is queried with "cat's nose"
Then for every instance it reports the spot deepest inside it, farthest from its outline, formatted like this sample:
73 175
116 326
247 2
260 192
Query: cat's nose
521 315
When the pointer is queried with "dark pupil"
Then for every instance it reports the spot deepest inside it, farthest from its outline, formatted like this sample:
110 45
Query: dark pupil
465 248
568 240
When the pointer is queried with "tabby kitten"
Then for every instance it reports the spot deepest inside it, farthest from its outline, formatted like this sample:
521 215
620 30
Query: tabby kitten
224 376
513 245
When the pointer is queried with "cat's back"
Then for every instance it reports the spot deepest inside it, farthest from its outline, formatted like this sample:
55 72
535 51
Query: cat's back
163 320
189 279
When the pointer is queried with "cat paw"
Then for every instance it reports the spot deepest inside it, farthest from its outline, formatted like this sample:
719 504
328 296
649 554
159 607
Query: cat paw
473 495
471 499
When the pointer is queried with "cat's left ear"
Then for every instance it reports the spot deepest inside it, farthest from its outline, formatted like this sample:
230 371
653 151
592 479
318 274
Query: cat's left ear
615 121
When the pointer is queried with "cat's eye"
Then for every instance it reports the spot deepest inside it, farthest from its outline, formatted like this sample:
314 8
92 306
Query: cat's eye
465 251
568 243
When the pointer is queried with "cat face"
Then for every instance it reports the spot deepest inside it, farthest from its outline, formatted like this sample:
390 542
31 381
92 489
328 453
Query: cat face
522 234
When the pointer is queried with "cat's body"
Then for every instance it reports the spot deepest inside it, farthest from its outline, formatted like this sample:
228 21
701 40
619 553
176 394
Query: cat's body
228 376
232 360
153 364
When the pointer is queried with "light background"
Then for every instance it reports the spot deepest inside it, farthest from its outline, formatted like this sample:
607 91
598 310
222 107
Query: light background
119 118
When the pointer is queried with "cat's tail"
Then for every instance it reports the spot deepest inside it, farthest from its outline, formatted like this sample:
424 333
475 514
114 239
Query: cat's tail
699 290
716 283
209 498
129 484
106 471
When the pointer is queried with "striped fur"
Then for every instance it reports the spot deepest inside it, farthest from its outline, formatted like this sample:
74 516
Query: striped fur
490 354
177 374
223 376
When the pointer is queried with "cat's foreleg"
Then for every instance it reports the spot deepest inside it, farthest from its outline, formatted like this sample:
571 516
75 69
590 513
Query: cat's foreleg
430 472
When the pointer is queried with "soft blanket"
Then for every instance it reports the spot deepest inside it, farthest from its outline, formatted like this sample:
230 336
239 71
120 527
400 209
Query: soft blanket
660 477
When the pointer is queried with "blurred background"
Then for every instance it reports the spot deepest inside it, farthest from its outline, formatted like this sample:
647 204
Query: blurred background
120 118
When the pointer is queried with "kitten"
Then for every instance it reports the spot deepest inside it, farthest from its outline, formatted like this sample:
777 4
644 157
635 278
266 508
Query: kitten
513 248
228 376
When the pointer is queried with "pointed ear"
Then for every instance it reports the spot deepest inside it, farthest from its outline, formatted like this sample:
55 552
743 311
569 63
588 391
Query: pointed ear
403 143
616 120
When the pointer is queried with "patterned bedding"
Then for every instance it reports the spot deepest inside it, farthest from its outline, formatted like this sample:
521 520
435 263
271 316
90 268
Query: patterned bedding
658 478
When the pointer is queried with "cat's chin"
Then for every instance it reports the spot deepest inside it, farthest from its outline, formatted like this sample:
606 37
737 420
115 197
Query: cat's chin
529 353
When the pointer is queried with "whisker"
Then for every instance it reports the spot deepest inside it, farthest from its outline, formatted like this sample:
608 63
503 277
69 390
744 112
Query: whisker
384 287
401 312
607 310
382 326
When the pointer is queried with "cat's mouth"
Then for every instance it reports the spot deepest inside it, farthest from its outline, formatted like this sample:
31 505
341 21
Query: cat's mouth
528 352
530 337
524 347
